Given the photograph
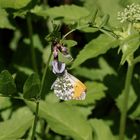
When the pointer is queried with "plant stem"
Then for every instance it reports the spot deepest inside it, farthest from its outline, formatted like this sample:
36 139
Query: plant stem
30 30
35 120
108 33
40 93
125 102
80 27
44 75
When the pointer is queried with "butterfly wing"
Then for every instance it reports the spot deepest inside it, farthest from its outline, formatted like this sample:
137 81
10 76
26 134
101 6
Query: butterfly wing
68 87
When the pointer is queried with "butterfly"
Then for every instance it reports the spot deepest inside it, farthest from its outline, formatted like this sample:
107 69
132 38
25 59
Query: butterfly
68 87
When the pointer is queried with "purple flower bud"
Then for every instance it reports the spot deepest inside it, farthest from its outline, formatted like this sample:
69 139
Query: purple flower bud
58 67
64 51
55 54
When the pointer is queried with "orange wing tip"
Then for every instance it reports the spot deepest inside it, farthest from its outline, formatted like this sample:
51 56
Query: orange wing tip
81 97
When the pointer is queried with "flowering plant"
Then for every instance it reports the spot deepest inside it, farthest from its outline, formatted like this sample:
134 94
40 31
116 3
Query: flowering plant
41 96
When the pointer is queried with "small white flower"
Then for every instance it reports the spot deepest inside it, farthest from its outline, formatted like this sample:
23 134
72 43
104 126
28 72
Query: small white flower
131 14
68 87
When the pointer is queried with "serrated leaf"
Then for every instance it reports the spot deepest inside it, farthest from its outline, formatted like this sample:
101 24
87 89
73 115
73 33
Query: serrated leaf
92 74
16 127
4 21
68 12
130 45
96 74
101 130
15 4
31 87
64 119
132 98
7 84
95 48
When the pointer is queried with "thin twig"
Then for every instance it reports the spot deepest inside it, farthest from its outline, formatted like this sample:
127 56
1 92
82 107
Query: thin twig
30 30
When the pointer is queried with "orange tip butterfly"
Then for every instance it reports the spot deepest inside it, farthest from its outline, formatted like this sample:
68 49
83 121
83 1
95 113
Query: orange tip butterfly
68 87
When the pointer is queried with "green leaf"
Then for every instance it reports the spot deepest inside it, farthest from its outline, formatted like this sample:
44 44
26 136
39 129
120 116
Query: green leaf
136 113
69 12
70 43
64 119
31 87
101 130
51 98
106 67
6 114
95 91
131 101
20 13
107 7
40 11
105 20
95 74
15 4
7 84
86 110
133 1
4 21
15 40
89 30
16 127
94 48
130 45
92 74
4 102
111 10
25 70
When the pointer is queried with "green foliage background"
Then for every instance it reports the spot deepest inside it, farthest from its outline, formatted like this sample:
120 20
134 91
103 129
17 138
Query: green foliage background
24 25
